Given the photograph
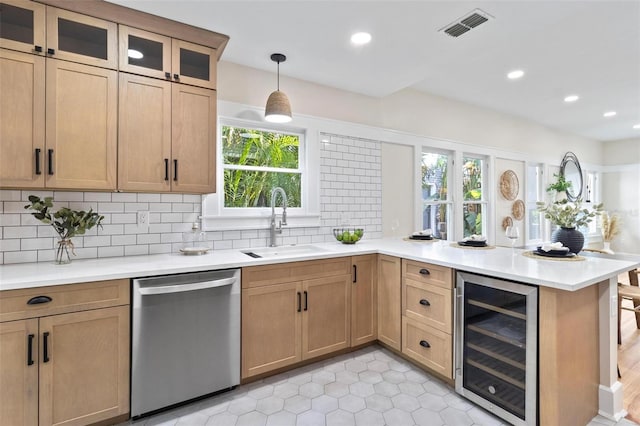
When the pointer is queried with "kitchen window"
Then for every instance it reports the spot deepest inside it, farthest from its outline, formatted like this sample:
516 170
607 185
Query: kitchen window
436 202
474 204
535 193
257 160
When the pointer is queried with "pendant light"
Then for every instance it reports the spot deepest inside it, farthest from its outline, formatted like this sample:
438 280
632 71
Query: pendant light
278 109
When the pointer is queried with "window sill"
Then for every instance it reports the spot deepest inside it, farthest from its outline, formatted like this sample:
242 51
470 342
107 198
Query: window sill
236 223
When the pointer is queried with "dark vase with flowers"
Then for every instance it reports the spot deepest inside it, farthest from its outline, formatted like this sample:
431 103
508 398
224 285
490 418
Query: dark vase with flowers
569 237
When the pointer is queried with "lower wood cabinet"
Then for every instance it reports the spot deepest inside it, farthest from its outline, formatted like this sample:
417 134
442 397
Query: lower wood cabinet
65 368
293 312
364 299
427 315
389 312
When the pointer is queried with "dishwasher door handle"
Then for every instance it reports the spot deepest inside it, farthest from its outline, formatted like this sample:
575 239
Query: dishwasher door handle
179 288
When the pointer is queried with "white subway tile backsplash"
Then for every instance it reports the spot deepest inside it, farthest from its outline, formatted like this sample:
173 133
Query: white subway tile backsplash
350 177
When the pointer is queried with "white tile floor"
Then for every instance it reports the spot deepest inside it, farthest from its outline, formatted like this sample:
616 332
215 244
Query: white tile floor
369 387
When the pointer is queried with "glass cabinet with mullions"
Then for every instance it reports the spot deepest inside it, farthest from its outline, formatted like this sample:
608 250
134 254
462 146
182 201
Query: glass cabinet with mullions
496 346
155 55
44 30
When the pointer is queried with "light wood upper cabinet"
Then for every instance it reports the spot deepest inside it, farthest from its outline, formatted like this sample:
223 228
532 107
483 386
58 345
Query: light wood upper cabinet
62 362
389 313
144 134
19 372
193 139
80 38
194 64
23 26
364 299
145 53
22 115
81 120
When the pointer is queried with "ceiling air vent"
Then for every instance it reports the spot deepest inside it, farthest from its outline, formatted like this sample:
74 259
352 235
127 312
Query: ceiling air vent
466 23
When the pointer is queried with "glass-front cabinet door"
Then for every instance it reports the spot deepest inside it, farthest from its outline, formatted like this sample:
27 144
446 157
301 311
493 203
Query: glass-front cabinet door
79 38
145 53
22 26
194 64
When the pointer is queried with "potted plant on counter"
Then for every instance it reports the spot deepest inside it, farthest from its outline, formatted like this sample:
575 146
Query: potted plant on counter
569 216
65 221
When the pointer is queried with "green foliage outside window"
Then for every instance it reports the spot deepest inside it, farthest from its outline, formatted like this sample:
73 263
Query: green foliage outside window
255 162
472 191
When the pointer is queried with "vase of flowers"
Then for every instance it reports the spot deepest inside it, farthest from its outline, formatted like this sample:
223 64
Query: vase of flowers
66 222
610 228
569 216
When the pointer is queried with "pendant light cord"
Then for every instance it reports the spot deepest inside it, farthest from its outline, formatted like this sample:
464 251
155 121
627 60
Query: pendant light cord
278 76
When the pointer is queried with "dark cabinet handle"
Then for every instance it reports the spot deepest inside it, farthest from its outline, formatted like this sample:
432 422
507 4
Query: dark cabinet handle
51 51
45 346
425 271
50 161
176 76
424 344
306 301
38 48
166 169
30 349
425 302
299 302
167 75
175 170
355 273
37 300
38 171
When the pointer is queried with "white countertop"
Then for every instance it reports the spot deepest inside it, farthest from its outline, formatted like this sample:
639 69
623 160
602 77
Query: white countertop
498 262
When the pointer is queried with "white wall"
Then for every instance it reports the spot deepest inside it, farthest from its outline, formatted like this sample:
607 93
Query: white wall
398 189
504 207
621 191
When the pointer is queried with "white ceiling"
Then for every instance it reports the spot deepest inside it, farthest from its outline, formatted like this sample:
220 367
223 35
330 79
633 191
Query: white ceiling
589 48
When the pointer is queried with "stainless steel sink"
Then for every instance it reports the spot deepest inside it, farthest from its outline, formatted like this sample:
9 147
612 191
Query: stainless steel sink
293 250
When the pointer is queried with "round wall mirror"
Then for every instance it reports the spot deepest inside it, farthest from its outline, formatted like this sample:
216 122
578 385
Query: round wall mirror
570 169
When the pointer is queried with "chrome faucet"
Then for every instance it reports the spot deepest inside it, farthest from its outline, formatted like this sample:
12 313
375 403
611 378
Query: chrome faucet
277 228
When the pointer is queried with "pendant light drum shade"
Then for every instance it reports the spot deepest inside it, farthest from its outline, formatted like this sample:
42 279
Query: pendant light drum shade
278 109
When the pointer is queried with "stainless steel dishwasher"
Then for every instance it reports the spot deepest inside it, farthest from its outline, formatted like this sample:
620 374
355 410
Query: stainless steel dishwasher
185 338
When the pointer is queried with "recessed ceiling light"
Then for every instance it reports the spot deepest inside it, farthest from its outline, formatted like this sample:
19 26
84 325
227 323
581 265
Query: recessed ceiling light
571 98
636 126
360 38
134 54
609 114
513 75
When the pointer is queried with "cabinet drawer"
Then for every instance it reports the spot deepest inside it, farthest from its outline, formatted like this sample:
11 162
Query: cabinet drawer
428 304
64 298
428 346
427 273
256 276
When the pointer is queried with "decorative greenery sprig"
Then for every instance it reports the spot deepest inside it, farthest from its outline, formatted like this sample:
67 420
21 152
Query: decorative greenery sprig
568 214
560 185
65 221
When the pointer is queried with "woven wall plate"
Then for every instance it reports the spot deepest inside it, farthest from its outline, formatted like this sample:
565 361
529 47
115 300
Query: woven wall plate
507 221
509 185
517 210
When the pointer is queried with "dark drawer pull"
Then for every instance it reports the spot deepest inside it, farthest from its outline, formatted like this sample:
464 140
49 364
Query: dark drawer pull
175 170
166 169
30 349
167 75
176 77
306 301
355 274
38 300
425 302
38 48
424 271
424 344
299 302
50 161
51 51
45 346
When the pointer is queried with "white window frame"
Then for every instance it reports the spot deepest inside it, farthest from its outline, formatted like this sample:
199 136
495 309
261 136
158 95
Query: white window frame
531 204
484 200
217 217
451 178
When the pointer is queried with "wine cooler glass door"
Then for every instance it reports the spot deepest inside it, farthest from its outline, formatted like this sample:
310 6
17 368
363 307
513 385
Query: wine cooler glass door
496 346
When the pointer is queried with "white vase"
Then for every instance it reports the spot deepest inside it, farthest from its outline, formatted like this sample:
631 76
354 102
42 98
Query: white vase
607 247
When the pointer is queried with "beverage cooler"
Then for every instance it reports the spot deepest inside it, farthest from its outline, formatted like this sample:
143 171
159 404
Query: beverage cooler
496 346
